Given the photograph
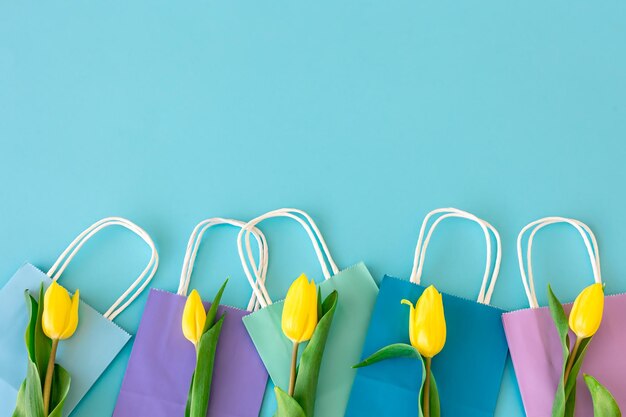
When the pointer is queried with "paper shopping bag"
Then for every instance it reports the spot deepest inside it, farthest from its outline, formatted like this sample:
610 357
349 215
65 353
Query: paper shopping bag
94 345
356 296
536 350
158 375
468 370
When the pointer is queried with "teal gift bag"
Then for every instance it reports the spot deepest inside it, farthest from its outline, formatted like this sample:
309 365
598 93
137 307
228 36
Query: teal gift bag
468 370
357 294
97 340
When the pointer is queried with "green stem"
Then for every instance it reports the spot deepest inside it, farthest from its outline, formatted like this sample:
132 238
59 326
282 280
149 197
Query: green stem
294 361
47 386
426 408
570 360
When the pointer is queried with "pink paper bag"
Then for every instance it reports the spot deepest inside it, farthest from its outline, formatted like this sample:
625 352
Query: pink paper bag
536 349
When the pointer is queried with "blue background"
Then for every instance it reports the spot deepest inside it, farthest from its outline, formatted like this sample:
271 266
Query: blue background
365 113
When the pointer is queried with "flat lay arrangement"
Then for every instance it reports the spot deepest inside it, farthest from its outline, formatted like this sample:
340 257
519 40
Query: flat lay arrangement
323 209
339 346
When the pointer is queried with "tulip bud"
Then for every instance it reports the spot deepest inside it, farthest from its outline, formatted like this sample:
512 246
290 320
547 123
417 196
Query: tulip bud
300 310
60 313
194 318
427 323
586 314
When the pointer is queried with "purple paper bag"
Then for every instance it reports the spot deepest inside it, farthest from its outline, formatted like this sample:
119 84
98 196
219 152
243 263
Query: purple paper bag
536 349
162 361
159 371
538 358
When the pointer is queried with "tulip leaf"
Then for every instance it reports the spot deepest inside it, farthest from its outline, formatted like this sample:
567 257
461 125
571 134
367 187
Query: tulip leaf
188 406
570 384
287 406
562 327
320 312
43 344
397 350
311 359
603 402
60 388
570 403
402 350
212 313
200 386
29 336
29 398
435 406
38 344
203 375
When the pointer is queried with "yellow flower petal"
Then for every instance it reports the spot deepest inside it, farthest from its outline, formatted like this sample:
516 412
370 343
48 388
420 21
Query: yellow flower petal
194 318
299 317
411 322
312 319
57 310
586 314
427 323
72 318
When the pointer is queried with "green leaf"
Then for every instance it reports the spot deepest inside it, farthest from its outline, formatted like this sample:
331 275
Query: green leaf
570 384
43 344
188 405
20 411
29 336
570 402
435 406
402 350
29 398
320 311
38 344
562 327
210 317
200 385
397 350
203 375
311 359
287 406
604 405
60 388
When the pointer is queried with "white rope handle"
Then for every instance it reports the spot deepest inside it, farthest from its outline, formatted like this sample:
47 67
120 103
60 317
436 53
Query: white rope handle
138 285
584 231
485 294
319 244
194 243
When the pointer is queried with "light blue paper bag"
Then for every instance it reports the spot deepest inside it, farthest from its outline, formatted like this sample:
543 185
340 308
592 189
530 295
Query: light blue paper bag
97 340
468 370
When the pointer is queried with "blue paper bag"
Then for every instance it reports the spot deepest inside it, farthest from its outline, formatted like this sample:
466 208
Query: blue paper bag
94 345
468 370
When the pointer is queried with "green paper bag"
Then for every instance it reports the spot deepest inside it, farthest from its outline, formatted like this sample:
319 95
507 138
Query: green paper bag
357 295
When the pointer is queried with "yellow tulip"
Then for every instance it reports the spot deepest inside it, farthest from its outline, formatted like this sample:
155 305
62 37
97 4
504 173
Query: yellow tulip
586 314
300 310
427 323
59 321
194 318
299 318
60 313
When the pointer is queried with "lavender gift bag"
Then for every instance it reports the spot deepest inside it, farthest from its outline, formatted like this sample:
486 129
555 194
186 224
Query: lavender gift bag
162 361
535 347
